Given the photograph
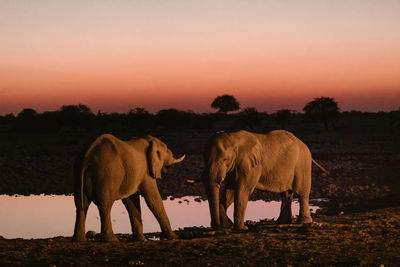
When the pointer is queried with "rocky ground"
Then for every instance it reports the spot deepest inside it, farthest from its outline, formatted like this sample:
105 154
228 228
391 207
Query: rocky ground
367 238
359 226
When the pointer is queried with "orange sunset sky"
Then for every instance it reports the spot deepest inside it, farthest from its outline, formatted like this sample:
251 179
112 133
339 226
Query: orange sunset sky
271 55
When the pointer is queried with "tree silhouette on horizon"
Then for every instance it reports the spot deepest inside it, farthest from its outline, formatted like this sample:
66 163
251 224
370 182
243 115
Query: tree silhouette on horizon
283 117
225 103
324 110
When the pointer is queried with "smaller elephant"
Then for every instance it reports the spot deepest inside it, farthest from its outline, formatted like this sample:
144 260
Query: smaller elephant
112 169
276 162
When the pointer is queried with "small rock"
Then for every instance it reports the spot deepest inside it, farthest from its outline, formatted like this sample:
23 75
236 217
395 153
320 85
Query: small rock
136 262
90 234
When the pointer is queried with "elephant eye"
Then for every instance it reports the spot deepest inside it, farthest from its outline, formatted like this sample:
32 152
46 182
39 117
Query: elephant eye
225 159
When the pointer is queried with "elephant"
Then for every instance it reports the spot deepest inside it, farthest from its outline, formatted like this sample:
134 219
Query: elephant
112 169
276 161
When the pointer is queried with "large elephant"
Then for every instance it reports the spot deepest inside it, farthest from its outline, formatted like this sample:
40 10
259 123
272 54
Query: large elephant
112 169
277 162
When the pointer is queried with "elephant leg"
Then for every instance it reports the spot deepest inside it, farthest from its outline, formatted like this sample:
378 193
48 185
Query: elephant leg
305 216
227 200
107 234
81 211
241 198
132 205
285 216
153 199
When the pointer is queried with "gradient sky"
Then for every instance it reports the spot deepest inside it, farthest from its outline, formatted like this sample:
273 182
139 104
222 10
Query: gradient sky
271 55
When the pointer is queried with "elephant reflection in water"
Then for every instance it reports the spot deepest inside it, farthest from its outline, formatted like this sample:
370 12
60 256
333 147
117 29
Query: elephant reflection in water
276 162
112 169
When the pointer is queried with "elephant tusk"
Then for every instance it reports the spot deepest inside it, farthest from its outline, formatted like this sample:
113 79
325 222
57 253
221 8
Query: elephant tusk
179 160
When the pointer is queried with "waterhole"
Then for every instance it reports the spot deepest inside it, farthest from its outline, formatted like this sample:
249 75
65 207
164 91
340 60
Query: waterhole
46 216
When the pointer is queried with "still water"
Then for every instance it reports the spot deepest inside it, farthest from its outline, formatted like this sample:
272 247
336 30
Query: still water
45 216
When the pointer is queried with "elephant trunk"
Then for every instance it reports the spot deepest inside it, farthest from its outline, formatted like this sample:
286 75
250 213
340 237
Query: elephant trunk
213 202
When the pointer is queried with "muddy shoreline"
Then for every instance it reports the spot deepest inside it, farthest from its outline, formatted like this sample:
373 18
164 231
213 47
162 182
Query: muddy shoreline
366 238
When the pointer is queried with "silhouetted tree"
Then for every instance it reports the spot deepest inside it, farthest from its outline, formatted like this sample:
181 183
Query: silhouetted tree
173 118
283 117
76 116
249 118
138 110
27 120
77 109
27 113
394 119
324 110
225 103
9 117
140 119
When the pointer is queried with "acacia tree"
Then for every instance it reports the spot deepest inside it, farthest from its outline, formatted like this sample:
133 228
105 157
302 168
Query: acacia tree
225 103
324 110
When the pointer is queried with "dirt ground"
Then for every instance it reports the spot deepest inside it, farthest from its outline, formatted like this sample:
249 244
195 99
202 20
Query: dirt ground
359 226
367 238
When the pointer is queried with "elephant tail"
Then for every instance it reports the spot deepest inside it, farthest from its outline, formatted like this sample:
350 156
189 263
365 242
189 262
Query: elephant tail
83 169
322 168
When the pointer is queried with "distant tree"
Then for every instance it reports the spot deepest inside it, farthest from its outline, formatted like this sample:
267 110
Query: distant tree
27 120
283 117
394 119
225 103
82 109
173 118
27 113
324 110
249 118
6 120
140 119
138 110
9 117
76 116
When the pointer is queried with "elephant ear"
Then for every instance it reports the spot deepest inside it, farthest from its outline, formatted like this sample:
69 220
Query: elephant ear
154 160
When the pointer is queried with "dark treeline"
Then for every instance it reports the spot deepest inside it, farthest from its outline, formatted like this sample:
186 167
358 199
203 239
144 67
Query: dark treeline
80 117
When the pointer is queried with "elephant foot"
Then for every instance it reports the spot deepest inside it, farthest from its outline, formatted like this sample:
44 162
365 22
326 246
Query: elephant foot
109 238
282 220
172 236
241 227
79 238
216 226
304 220
226 224
169 236
140 238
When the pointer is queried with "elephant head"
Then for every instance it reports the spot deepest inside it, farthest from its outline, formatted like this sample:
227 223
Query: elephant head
160 158
219 159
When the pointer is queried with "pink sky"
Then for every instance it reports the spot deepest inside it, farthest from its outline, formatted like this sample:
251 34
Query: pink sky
271 55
